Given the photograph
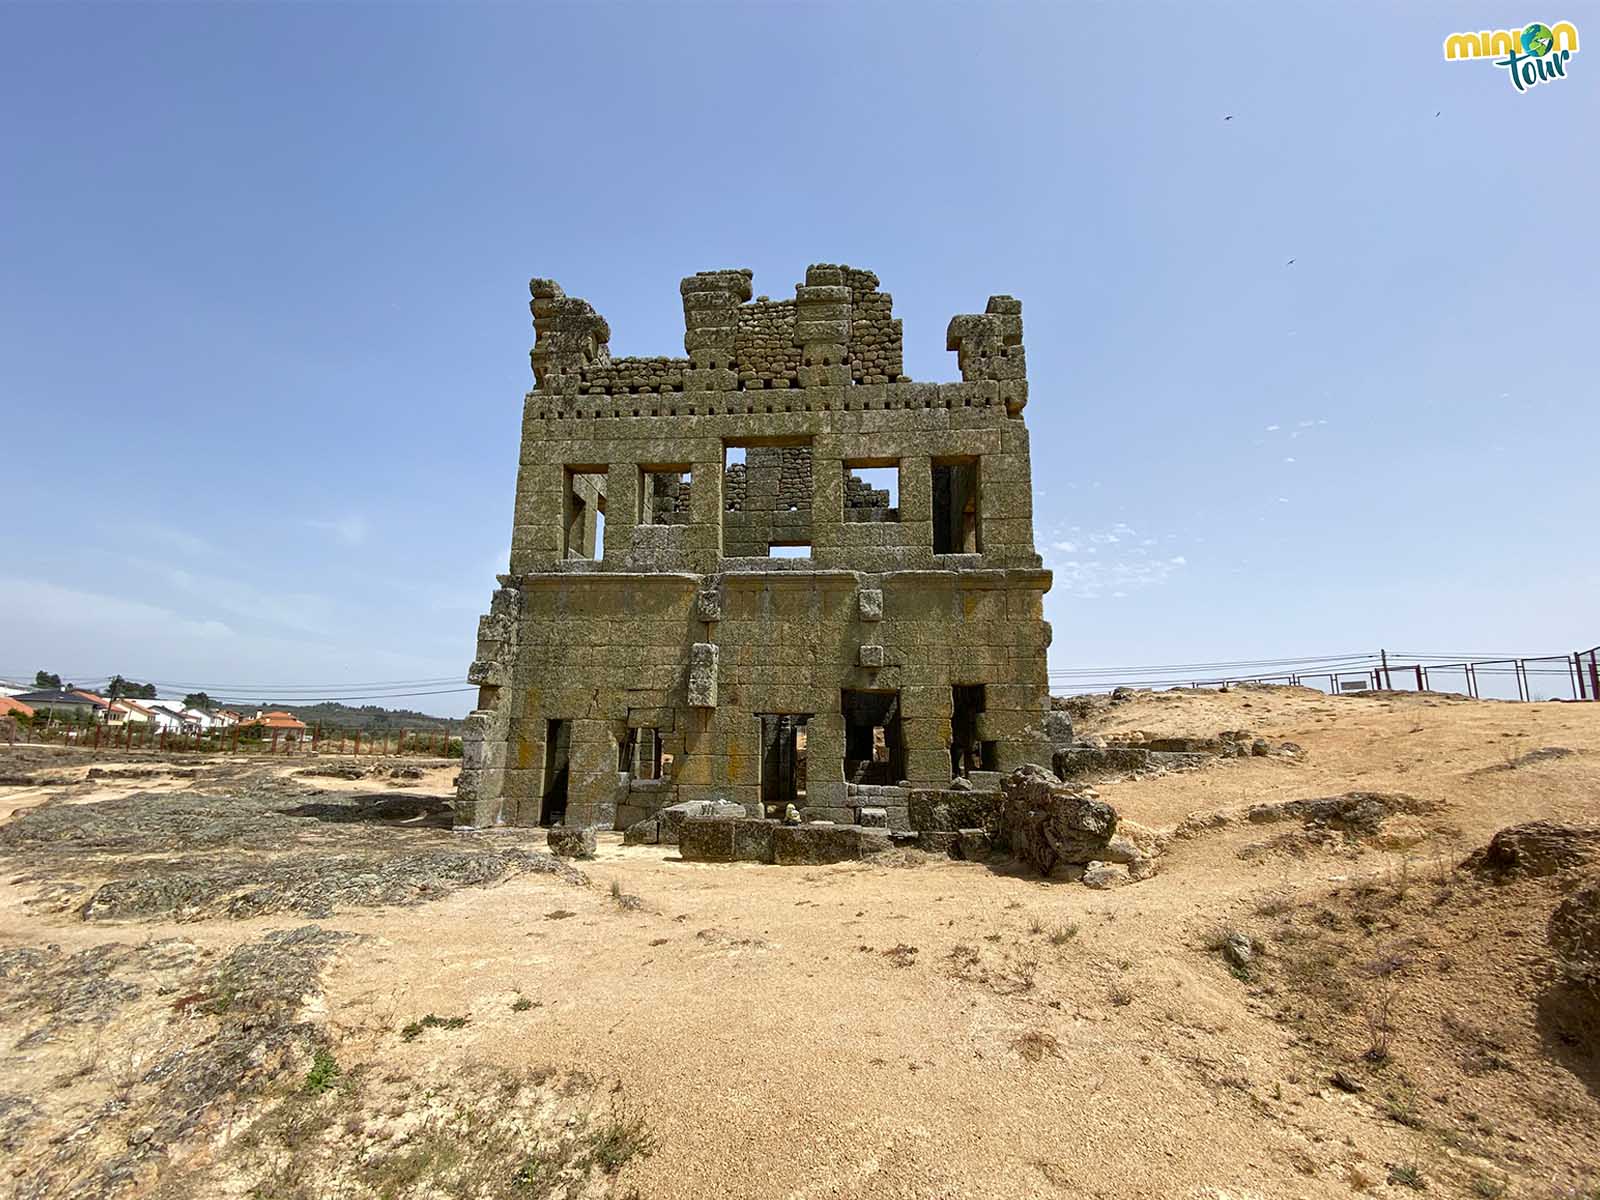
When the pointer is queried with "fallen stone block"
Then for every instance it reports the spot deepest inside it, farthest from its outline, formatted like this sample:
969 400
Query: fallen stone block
936 841
567 841
752 839
816 845
707 839
670 819
972 845
642 833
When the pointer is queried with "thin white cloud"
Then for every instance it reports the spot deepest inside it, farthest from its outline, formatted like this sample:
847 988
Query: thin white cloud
38 601
351 530
1274 428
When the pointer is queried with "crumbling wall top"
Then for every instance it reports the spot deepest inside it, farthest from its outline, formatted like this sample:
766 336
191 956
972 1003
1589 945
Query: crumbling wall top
839 329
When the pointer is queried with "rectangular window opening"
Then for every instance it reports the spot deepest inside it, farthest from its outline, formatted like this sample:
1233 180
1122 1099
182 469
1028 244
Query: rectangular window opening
639 754
583 513
871 491
664 496
783 762
553 797
766 500
966 751
955 507
874 748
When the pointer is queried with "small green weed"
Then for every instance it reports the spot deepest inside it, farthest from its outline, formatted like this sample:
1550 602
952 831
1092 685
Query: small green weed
414 1030
324 1070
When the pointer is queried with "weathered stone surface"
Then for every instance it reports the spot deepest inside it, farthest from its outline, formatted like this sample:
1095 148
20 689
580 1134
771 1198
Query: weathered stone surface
707 839
642 833
1058 728
670 820
1101 875
1239 949
1357 812
816 844
1046 823
937 841
1083 762
703 675
952 809
752 839
679 618
566 841
872 818
972 845
1538 848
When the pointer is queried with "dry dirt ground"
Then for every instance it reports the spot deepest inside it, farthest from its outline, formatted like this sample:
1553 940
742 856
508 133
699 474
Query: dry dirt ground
234 980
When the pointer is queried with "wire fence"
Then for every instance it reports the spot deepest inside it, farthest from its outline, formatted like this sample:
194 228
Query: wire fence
1524 677
45 729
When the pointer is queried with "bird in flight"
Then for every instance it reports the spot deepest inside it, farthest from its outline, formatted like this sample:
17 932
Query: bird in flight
1229 117
1290 263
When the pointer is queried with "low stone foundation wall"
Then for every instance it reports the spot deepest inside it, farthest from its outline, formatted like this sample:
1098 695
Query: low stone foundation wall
748 839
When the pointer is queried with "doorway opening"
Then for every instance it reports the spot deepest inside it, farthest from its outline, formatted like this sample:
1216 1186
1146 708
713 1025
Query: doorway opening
874 751
557 743
783 762
967 752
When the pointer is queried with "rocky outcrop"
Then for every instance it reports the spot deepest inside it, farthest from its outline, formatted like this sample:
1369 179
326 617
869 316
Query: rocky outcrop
1046 823
1538 848
1574 933
1354 812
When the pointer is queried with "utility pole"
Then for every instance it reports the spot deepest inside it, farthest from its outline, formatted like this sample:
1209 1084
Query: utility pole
1388 685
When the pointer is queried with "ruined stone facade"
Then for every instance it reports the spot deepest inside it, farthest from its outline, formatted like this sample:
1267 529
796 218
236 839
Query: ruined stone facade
708 597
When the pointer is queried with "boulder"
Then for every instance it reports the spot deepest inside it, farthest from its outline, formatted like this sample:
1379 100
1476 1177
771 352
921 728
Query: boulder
1239 949
1103 875
569 841
1538 848
1046 822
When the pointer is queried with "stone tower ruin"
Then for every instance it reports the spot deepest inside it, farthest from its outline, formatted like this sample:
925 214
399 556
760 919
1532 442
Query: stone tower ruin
776 571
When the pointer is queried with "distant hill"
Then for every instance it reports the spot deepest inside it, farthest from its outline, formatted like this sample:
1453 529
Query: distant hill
368 718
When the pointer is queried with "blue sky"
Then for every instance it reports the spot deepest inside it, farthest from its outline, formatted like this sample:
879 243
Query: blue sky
264 329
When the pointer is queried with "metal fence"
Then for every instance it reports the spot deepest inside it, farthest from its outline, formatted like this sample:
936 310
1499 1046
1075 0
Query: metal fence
1532 677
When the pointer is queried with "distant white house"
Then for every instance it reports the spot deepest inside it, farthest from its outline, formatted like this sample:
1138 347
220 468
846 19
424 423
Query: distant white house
165 716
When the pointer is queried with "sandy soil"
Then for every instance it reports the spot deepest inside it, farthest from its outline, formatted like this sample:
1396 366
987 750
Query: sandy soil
959 1029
